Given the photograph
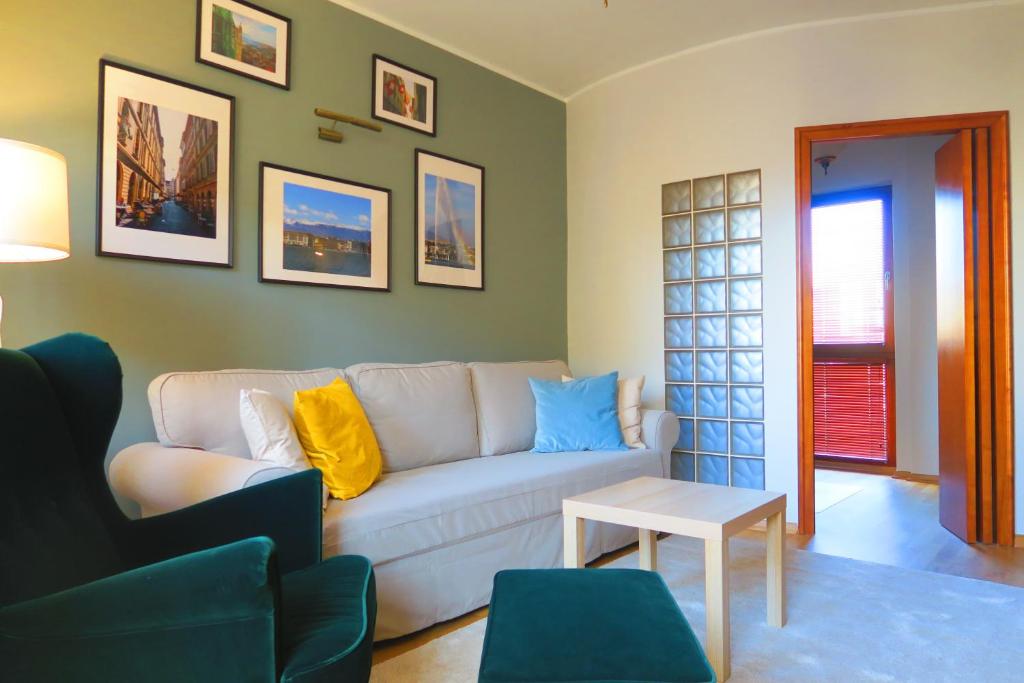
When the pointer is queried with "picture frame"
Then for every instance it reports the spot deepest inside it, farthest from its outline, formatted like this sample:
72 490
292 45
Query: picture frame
449 221
156 202
403 96
323 231
245 39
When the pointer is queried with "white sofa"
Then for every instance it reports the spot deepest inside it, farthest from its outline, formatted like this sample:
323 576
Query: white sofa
461 496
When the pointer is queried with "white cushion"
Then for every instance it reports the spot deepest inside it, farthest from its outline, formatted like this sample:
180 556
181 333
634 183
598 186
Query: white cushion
421 414
411 512
200 409
505 408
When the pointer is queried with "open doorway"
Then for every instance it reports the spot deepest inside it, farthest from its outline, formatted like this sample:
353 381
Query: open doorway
905 384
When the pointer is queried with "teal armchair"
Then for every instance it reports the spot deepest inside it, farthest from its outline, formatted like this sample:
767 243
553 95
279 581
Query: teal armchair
232 589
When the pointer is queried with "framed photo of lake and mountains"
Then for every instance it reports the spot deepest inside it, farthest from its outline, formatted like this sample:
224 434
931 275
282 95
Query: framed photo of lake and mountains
245 39
165 169
324 231
449 222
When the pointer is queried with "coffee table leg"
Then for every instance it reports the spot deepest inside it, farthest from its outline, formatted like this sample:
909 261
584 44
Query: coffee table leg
716 604
776 541
648 549
574 542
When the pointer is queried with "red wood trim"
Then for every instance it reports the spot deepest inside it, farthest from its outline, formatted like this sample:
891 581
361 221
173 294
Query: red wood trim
983 337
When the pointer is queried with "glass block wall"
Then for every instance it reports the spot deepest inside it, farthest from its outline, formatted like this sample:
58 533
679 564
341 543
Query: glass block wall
714 362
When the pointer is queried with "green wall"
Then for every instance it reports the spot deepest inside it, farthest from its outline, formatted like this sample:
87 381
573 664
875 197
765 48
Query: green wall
162 317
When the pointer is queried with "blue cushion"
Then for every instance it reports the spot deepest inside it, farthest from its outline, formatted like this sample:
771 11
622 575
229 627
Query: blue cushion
580 415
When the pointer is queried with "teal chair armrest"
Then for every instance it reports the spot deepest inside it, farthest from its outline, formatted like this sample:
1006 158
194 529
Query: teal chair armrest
211 615
288 510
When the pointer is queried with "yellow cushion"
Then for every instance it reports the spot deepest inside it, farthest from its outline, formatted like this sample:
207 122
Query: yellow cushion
338 438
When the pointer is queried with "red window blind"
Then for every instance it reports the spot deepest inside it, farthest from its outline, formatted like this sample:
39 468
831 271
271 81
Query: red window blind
849 272
850 410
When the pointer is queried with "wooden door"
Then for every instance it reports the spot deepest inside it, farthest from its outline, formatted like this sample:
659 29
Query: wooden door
954 253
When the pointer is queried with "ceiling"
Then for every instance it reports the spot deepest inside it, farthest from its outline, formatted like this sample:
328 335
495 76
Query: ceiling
562 47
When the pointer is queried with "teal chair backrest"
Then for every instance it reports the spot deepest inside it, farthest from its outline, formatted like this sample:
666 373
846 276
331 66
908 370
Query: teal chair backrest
59 402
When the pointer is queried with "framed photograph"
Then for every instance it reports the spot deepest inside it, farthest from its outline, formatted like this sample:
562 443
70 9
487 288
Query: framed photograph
164 169
324 231
449 222
242 38
404 96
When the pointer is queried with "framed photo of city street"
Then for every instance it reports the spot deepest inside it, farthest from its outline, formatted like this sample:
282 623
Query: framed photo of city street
323 231
165 169
404 96
449 222
240 37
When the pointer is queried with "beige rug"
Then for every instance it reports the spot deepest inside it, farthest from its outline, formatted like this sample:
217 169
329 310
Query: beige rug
848 621
827 494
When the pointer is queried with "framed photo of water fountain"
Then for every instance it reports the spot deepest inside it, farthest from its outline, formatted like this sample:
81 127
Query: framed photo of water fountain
449 222
323 231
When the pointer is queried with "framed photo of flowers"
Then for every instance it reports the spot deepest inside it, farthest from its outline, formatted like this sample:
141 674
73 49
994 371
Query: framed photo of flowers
240 37
449 222
404 96
165 169
325 231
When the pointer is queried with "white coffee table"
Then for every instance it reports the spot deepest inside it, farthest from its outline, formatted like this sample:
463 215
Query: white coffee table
713 513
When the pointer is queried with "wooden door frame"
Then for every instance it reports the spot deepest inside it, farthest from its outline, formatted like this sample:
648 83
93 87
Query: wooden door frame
995 127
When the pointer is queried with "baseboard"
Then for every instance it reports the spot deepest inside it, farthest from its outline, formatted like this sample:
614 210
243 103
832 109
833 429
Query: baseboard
1018 541
863 468
912 476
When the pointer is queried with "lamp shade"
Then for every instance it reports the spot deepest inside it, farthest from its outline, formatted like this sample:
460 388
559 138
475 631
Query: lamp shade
33 203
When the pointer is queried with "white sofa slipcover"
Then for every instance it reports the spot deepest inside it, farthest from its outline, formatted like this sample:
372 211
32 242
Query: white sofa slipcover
442 520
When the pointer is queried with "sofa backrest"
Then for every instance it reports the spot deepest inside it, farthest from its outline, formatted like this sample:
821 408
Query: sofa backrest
200 409
422 414
506 411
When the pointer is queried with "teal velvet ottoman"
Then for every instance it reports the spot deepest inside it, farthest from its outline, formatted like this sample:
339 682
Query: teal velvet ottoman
569 625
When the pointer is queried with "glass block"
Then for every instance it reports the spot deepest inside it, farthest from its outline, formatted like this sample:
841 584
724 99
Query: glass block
678 265
709 193
683 466
709 226
711 297
748 403
745 258
745 330
679 298
745 294
711 331
748 438
713 436
710 262
675 231
678 333
745 223
675 197
711 366
747 367
714 469
712 402
745 187
685 440
679 366
747 473
679 399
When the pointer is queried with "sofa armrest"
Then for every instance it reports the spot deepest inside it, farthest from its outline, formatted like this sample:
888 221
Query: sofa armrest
181 619
659 430
164 479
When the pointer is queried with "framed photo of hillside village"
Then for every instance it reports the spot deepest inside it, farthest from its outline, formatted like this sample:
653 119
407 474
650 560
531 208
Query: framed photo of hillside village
165 169
244 39
323 231
449 222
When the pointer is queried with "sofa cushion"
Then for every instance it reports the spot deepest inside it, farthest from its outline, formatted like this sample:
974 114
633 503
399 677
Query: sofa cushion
505 407
422 414
411 512
200 409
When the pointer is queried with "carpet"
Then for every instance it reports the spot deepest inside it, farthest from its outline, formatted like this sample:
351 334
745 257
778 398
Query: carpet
848 621
827 494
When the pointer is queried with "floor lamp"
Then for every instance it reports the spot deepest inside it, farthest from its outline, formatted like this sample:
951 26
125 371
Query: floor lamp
33 205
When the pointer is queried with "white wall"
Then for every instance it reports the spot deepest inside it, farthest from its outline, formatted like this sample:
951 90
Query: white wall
733 107
908 166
